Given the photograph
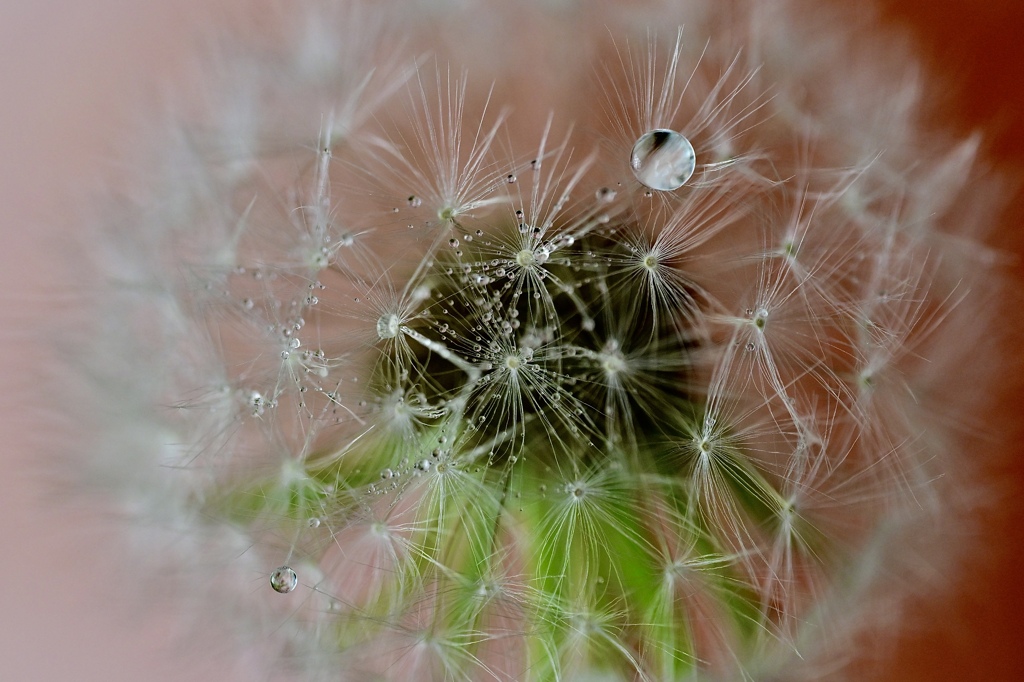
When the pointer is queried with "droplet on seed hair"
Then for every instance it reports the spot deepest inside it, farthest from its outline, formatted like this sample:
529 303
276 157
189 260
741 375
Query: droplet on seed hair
663 160
388 326
284 580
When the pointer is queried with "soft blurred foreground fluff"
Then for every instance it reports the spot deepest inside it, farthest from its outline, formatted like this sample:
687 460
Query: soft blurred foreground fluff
549 341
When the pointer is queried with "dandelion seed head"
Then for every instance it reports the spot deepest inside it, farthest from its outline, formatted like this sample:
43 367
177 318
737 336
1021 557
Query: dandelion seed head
621 373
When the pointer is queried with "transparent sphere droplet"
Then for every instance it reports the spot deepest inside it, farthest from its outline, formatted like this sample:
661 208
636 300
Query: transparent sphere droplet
663 160
388 326
284 580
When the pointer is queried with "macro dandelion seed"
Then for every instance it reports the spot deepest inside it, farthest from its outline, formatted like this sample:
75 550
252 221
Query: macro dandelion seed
512 364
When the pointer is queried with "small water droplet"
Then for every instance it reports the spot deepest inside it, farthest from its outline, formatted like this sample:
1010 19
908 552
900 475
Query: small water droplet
525 258
453 242
663 160
387 326
605 194
284 580
511 178
313 522
761 318
415 201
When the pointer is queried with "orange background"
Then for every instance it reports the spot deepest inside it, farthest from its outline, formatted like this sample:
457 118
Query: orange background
74 73
979 48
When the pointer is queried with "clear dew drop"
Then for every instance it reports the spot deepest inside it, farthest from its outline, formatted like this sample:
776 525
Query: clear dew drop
525 258
761 318
387 326
663 160
284 580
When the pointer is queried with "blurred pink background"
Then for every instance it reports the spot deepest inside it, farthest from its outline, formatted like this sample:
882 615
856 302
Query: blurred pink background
73 73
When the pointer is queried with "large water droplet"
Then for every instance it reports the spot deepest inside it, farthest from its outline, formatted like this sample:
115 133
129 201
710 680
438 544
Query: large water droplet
284 580
663 160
